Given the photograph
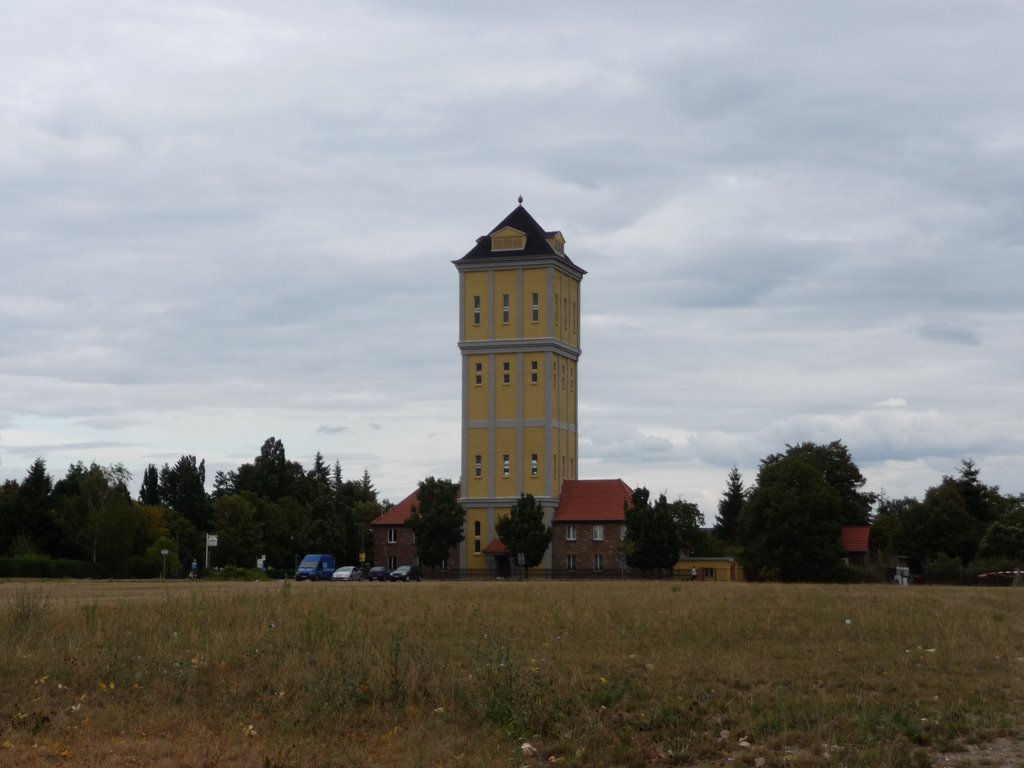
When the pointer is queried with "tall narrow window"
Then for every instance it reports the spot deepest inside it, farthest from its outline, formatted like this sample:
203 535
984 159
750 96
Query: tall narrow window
392 535
556 309
572 380
534 371
533 464
479 373
598 562
565 312
506 375
476 527
563 375
504 308
574 317
570 533
570 563
476 310
478 466
506 465
392 562
535 312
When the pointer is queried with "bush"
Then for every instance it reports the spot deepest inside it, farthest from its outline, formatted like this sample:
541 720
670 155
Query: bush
39 567
943 569
235 573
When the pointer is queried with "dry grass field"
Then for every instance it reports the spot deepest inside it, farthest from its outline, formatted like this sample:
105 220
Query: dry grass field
283 675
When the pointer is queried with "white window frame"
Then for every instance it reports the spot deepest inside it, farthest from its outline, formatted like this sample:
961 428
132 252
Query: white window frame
506 465
476 310
504 309
570 562
570 533
392 535
598 562
535 312
598 533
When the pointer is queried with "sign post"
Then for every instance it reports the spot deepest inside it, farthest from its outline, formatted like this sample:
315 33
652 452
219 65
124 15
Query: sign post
211 541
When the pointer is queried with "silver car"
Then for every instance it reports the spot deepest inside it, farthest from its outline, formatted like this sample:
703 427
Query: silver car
347 573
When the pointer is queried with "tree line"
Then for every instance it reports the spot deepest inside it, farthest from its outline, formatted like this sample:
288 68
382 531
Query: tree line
271 507
787 525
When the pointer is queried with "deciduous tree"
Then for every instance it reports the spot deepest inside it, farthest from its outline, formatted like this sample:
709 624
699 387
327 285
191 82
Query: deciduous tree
437 520
523 531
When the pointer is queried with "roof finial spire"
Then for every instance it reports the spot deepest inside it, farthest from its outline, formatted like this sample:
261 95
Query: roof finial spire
520 199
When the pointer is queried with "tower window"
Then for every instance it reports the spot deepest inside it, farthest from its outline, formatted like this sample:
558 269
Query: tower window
506 465
476 527
476 310
535 312
479 373
476 546
556 309
563 375
572 380
534 371
478 466
504 308
565 312
506 373
533 464
574 316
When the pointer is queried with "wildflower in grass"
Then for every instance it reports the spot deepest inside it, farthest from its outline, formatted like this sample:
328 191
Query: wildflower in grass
248 730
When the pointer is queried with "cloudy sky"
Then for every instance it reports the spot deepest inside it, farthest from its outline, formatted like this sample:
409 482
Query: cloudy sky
226 220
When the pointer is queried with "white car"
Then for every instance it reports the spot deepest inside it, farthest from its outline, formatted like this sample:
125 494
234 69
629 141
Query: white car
347 573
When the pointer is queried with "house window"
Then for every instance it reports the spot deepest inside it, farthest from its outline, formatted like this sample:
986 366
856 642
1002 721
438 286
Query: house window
598 533
476 527
479 374
476 310
533 465
622 533
570 533
478 465
444 564
392 562
535 312
392 535
506 465
570 563
598 562
709 574
534 371
504 308
476 546
506 376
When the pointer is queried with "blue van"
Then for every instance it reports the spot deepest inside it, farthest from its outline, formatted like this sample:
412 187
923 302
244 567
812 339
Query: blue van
315 568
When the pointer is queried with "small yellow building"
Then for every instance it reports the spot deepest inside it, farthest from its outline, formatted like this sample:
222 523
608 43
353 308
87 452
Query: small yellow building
709 569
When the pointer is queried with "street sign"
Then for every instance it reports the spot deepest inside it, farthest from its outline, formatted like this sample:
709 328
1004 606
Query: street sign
211 540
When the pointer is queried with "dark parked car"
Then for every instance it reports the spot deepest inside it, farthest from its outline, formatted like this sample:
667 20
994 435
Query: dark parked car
406 573
378 573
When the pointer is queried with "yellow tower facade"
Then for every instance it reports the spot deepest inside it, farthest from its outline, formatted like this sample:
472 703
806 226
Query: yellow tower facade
519 335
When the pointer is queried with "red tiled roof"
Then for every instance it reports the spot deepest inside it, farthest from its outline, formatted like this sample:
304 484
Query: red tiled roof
593 500
496 547
399 513
855 538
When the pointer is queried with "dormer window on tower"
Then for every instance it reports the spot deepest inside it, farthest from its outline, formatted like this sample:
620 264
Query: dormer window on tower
508 239
557 242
